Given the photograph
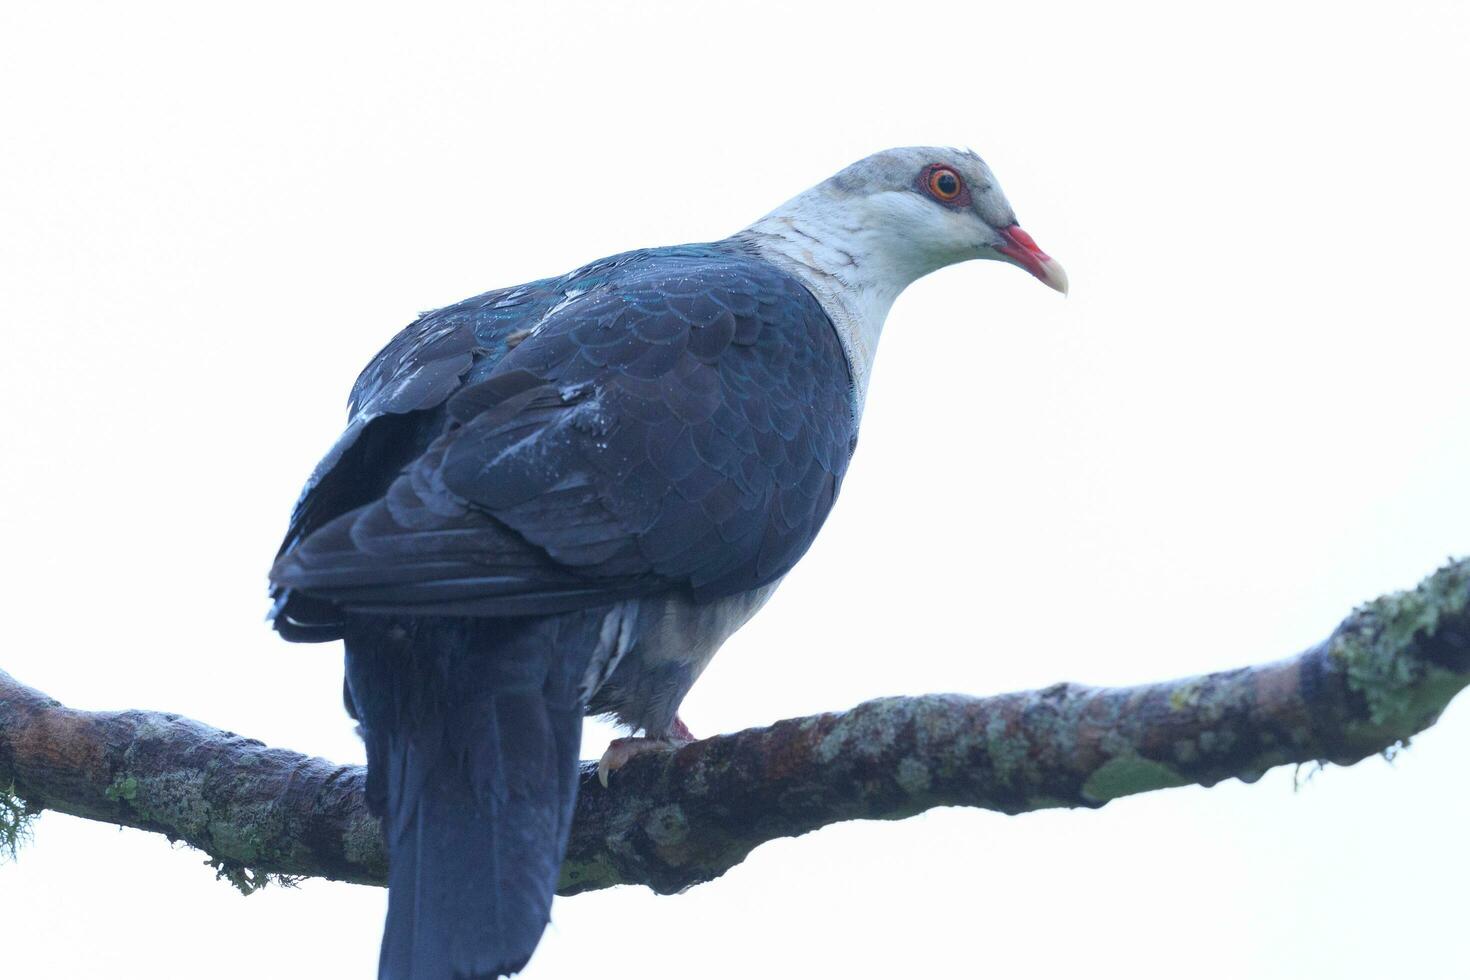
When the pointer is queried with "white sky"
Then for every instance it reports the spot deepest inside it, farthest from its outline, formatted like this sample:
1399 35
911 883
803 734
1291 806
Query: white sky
1250 415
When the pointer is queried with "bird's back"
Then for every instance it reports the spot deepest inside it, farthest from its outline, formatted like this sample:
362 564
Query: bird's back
668 419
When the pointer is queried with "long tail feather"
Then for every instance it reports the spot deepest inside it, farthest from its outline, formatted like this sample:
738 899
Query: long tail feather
473 729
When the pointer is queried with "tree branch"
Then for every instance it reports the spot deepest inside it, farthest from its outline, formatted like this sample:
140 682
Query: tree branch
671 820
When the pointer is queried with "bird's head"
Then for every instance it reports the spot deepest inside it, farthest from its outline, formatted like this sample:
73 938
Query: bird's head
860 237
906 212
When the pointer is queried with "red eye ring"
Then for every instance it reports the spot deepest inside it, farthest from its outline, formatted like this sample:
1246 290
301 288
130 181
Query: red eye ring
944 184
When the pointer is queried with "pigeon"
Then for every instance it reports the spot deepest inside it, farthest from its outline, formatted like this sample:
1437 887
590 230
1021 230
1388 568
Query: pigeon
559 499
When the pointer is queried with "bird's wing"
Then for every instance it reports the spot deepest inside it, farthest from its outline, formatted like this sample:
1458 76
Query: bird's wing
394 408
682 424
415 374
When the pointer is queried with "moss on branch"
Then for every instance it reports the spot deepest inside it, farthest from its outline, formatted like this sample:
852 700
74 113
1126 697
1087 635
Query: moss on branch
674 819
15 821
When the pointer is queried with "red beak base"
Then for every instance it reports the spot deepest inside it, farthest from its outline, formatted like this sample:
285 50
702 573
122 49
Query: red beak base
1021 249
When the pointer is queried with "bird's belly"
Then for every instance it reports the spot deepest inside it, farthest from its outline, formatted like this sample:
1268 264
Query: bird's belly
675 640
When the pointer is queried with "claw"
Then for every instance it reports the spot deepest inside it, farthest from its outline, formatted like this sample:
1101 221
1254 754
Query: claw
620 750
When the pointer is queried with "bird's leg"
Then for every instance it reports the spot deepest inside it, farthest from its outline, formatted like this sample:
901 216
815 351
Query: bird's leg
620 750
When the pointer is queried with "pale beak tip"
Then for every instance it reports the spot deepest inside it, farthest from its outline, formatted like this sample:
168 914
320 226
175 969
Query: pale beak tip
1056 276
1021 249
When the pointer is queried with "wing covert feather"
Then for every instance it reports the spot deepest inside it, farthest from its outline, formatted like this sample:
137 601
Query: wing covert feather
682 422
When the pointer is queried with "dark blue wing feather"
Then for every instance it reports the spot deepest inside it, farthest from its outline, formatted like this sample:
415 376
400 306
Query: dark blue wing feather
661 420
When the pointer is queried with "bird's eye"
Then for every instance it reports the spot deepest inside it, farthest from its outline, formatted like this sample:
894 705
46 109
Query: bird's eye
944 183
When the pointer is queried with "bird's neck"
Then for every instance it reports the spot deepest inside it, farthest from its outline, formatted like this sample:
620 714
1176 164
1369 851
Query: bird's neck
831 253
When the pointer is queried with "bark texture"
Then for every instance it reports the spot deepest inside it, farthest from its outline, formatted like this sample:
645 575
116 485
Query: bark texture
674 819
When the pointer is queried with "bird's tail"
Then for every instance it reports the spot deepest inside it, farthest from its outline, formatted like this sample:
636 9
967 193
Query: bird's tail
473 729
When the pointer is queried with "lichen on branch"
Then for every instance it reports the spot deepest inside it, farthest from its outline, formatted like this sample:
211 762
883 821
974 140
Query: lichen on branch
673 819
15 822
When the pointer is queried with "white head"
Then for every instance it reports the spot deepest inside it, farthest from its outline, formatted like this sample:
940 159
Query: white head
860 237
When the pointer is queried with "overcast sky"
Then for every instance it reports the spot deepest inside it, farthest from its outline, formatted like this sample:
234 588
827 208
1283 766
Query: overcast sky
1251 414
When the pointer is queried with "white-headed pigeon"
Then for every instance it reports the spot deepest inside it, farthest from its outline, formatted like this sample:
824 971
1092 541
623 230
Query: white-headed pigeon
561 498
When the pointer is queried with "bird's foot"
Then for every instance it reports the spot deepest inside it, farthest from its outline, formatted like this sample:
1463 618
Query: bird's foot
680 731
620 750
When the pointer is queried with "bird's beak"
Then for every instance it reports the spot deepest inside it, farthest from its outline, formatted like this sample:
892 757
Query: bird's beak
1021 249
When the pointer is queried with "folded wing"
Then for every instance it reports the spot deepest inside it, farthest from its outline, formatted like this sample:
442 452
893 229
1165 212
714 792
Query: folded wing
676 419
